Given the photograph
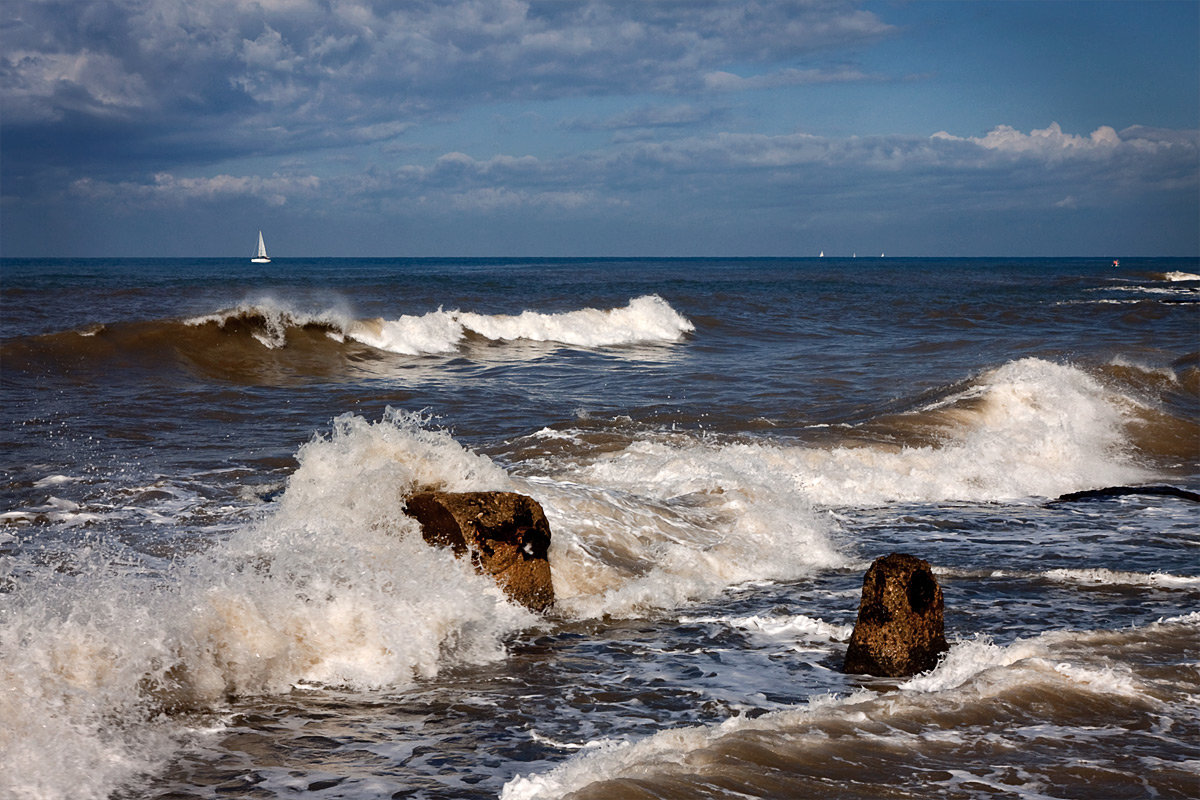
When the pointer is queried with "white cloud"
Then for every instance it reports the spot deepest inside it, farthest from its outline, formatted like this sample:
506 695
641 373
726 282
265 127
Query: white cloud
1049 142
166 188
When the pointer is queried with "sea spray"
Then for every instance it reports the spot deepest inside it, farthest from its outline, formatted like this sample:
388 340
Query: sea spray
335 586
269 319
657 526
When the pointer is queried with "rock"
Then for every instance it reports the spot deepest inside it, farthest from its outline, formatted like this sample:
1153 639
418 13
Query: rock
1121 491
505 534
900 630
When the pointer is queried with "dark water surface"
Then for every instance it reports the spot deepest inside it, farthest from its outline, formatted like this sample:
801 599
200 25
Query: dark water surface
208 587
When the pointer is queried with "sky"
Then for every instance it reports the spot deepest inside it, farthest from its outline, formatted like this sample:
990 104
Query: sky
599 128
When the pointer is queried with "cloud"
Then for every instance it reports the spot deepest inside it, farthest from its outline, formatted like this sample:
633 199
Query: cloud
656 116
495 198
220 71
729 82
1049 142
1004 169
167 189
44 87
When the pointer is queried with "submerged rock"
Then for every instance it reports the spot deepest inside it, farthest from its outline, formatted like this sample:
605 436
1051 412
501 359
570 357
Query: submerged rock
900 629
505 534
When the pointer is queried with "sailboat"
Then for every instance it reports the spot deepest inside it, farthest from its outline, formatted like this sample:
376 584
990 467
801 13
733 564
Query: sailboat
261 256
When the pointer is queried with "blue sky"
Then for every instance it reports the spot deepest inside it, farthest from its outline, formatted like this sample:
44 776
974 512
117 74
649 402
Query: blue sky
626 127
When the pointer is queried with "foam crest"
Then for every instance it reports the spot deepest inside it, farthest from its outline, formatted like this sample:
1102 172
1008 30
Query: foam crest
644 319
269 320
436 332
335 587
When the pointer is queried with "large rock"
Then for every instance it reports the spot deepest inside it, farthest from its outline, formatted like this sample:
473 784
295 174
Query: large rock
900 630
505 534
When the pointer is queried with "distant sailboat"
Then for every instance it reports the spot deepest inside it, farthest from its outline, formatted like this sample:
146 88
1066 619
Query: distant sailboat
261 256
822 254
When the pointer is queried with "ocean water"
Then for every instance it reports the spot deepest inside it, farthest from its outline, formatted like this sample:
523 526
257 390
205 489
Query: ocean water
208 587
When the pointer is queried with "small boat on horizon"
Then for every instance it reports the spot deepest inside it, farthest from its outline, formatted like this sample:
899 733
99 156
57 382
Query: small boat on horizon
261 256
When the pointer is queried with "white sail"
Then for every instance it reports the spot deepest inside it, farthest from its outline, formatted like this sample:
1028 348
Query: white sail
261 256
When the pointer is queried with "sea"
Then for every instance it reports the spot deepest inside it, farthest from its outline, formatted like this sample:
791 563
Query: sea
209 587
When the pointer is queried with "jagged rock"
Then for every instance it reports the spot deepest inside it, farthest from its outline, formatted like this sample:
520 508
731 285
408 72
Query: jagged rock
900 630
505 534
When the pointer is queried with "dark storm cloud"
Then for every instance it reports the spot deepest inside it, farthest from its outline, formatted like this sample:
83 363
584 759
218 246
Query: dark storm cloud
218 78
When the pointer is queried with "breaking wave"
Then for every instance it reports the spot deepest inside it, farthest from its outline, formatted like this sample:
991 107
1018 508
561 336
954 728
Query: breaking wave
1030 428
273 341
645 319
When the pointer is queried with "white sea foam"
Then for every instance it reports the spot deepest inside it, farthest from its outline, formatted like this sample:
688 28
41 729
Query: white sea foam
1096 576
1177 275
54 480
645 319
335 587
56 510
436 332
791 628
1101 576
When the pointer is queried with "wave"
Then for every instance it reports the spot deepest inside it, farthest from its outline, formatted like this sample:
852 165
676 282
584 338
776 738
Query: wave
984 704
1028 429
269 340
646 319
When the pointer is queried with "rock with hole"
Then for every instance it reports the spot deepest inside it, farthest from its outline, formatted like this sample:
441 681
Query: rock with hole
900 629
